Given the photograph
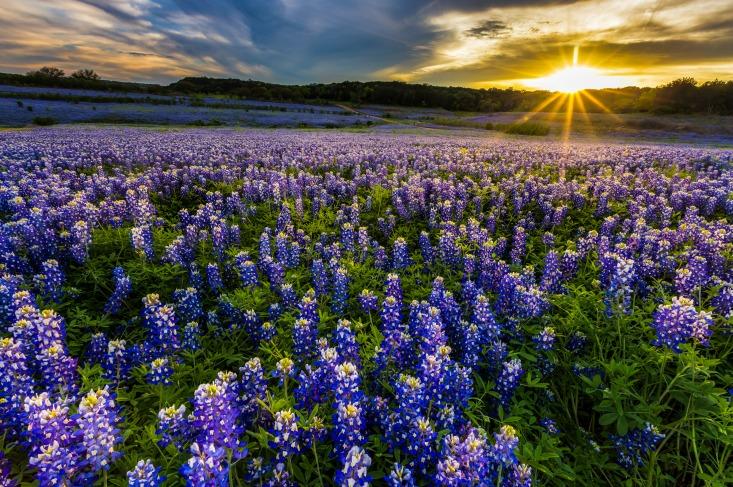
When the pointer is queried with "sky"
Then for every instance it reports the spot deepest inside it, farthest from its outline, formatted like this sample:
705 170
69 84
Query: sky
446 42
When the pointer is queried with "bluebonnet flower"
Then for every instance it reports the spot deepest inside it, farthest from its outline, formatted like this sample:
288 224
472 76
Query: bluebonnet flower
81 239
347 237
160 320
252 387
618 275
349 427
142 241
97 349
116 364
285 368
549 425
256 469
188 304
545 341
160 372
693 276
308 308
98 419
122 290
55 464
368 301
288 295
305 336
426 248
551 274
508 380
216 415
287 435
345 340
173 426
264 247
519 247
520 476
320 277
354 472
577 341
679 322
191 340
247 270
393 287
400 254
390 315
420 444
484 319
5 478
400 476
471 345
633 448
267 331
340 291
206 467
214 278
506 442
51 279
145 474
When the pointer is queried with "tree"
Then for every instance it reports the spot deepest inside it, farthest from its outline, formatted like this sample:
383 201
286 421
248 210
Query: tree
48 72
85 74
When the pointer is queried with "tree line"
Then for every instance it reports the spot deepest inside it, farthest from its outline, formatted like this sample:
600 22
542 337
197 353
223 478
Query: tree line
684 95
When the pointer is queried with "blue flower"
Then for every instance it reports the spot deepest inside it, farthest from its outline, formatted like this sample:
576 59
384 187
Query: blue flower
145 474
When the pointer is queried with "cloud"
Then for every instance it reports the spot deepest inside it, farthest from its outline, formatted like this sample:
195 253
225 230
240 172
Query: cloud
294 41
489 28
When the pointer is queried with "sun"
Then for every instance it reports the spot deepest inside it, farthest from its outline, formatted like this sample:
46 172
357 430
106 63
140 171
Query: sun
573 79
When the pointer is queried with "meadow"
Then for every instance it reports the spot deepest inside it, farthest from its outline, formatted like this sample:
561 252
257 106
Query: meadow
270 307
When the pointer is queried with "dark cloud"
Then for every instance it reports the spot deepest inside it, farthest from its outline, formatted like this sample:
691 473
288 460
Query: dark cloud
489 29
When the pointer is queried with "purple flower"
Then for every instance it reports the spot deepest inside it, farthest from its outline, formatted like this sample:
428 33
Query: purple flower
191 337
354 472
400 254
216 415
368 301
633 448
160 372
142 241
98 419
207 467
122 290
145 474
188 304
287 435
679 322
400 476
247 270
340 291
545 341
508 380
214 278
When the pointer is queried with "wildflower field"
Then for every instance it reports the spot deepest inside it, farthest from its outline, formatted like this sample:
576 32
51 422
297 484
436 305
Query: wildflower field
216 307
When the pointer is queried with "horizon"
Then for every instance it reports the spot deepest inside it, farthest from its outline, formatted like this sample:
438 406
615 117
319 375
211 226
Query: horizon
554 45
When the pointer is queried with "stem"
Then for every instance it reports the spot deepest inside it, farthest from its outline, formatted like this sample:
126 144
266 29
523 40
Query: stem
318 466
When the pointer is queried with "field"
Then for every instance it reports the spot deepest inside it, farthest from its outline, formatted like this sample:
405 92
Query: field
277 307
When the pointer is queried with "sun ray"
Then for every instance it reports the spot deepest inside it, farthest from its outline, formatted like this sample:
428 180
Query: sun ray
583 112
539 107
568 118
600 105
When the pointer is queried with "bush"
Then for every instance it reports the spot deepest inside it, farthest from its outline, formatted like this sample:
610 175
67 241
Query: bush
44 121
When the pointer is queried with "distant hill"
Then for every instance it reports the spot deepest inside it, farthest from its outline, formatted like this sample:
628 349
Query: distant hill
679 96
